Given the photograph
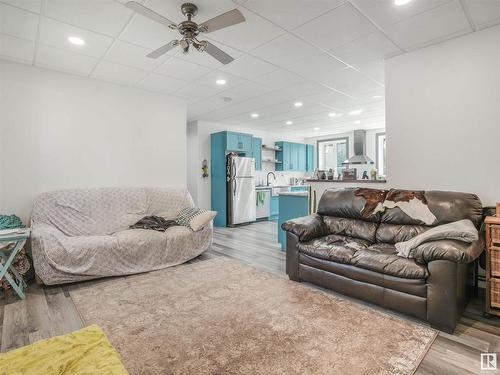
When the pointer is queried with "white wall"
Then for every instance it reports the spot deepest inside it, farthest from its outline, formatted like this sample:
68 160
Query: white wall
63 131
199 149
443 114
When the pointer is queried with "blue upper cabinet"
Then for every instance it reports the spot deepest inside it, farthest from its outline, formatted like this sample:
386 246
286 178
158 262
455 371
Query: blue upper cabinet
293 156
309 158
238 142
257 152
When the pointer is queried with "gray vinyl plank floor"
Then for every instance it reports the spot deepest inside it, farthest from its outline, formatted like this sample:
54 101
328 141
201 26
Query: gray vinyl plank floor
50 311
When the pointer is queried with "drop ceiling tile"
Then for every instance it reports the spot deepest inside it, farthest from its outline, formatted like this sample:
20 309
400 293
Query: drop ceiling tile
17 22
31 5
285 50
279 79
375 70
291 13
210 78
197 91
161 83
112 72
350 81
66 61
206 9
317 66
132 55
244 91
247 35
103 16
182 70
385 13
484 13
375 46
438 24
336 28
147 33
248 67
55 33
16 49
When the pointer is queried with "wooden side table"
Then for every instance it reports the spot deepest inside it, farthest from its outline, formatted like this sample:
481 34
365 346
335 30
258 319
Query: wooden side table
492 265
18 239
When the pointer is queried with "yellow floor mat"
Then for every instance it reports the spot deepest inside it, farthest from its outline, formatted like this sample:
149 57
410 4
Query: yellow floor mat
84 352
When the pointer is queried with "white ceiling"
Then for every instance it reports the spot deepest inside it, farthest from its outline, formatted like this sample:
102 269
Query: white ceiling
328 54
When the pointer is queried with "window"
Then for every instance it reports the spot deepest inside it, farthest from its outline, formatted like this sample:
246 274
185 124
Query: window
381 154
332 153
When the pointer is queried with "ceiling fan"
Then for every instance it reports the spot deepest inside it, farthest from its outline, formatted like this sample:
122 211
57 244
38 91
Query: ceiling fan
190 30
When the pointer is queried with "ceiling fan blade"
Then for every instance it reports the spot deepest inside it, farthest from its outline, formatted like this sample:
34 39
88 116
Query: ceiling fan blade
223 20
163 49
217 53
151 14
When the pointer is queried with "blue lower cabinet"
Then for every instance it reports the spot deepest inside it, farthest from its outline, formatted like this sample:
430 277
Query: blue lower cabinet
291 206
275 207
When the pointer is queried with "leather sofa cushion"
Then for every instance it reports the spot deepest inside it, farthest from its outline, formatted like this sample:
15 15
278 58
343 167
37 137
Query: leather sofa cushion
382 257
379 257
446 206
393 233
333 247
365 230
345 203
417 287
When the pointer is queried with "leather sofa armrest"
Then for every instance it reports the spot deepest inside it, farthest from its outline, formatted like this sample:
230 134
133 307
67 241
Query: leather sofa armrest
307 227
452 250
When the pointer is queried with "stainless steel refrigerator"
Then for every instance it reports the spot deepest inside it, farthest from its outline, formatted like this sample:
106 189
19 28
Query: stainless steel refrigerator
240 189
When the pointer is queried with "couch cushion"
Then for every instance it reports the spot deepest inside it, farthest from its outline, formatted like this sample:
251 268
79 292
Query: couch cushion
442 206
349 203
365 230
379 257
393 233
333 247
382 257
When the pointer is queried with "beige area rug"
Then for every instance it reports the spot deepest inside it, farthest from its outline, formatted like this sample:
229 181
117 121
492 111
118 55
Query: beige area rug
222 317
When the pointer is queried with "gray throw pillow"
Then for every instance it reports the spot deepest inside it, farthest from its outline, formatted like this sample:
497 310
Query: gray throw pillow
195 218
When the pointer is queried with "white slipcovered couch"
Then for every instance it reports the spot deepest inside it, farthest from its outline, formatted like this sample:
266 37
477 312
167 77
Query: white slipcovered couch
83 234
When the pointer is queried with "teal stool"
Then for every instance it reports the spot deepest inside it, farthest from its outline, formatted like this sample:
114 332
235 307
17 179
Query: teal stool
18 238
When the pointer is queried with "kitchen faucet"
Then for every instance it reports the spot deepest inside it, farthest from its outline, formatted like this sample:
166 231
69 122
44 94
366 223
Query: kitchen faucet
267 177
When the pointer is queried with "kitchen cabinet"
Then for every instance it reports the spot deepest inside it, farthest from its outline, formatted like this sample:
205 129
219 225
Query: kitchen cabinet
275 207
309 158
291 205
293 156
238 141
257 152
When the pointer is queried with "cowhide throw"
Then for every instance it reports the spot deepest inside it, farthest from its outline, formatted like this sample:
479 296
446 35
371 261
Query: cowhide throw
374 200
412 202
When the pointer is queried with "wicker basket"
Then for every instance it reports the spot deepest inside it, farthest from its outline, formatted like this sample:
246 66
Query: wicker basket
495 234
495 293
495 261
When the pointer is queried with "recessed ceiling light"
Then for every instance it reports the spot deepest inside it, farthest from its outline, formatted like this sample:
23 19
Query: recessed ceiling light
401 2
357 122
376 96
332 114
289 122
316 128
77 41
355 112
298 104
221 82
254 115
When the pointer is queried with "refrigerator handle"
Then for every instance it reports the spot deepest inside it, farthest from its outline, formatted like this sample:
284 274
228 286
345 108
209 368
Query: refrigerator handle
234 177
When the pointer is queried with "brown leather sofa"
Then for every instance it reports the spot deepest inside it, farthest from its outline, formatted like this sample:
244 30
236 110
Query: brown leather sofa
348 246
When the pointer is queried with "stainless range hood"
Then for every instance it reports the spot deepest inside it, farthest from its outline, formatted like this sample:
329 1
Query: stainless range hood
359 150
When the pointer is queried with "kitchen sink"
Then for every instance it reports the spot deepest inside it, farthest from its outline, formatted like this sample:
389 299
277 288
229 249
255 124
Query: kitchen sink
280 189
